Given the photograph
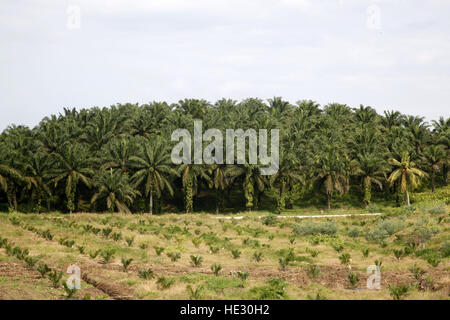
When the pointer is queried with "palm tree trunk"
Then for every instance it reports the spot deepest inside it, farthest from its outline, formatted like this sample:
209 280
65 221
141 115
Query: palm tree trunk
151 202
407 198
329 200
432 180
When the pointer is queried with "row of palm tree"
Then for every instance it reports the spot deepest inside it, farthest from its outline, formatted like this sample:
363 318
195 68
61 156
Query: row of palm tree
118 158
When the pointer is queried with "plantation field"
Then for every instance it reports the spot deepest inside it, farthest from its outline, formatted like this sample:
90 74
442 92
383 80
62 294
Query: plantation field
250 256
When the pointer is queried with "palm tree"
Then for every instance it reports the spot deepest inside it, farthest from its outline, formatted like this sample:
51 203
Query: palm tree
153 169
115 188
331 173
287 175
116 154
73 166
36 168
408 176
372 170
434 155
220 182
190 177
252 180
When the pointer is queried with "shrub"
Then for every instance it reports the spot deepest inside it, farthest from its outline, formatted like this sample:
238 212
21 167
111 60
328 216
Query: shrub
365 252
418 272
398 253
445 248
69 292
355 232
273 290
243 275
313 228
269 220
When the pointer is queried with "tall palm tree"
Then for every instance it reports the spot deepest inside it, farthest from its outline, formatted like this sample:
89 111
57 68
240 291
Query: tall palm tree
252 181
434 155
331 173
73 167
153 169
220 182
36 169
115 188
191 175
287 175
407 175
371 168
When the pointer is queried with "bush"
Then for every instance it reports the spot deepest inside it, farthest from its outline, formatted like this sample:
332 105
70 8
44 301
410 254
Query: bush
273 290
392 226
355 232
445 248
313 228
377 235
269 220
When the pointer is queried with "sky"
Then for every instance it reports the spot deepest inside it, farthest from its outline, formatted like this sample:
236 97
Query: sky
387 54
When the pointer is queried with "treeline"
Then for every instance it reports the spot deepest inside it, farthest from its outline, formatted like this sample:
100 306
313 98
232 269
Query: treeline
118 158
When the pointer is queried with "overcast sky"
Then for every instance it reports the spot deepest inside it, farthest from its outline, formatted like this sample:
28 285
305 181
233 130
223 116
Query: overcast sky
385 54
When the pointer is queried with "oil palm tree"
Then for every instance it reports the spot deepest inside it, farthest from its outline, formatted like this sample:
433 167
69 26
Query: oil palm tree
115 188
153 169
252 181
191 175
371 168
331 173
434 155
287 175
72 167
406 174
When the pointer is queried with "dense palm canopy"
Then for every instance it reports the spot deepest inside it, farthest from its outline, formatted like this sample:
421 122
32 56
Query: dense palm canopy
118 158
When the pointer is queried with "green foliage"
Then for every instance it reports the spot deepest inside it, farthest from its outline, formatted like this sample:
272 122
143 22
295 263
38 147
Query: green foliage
215 268
314 228
107 255
55 278
398 292
313 271
126 263
158 250
194 294
274 289
196 260
353 279
165 282
174 256
146 274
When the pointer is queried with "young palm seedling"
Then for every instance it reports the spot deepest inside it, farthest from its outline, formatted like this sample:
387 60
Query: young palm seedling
55 278
81 249
257 256
165 283
243 275
43 269
235 253
213 249
196 260
313 271
433 261
117 236
94 254
398 292
353 279
174 256
143 246
107 255
146 274
129 241
345 258
398 253
69 292
31 261
158 250
196 242
365 252
194 294
418 272
215 268
126 263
